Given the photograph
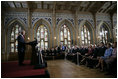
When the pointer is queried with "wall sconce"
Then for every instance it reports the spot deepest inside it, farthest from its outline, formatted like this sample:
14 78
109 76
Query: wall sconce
54 37
101 33
28 38
105 32
78 37
98 37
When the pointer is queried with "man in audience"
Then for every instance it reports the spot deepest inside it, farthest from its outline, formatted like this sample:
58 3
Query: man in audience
101 50
58 48
92 60
84 52
107 54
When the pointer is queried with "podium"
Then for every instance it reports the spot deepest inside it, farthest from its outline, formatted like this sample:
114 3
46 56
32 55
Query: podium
36 56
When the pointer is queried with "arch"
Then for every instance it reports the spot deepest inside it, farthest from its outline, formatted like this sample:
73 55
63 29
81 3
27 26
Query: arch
115 33
15 21
8 30
47 25
90 28
70 26
107 27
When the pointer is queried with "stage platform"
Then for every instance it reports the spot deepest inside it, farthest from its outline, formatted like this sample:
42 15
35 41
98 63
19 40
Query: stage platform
11 69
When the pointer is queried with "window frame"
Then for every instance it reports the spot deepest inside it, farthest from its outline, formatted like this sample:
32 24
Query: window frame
62 42
85 35
44 41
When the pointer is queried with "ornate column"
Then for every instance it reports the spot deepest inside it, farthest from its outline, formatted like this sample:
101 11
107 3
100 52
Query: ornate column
54 38
95 38
3 39
77 37
29 34
112 28
29 30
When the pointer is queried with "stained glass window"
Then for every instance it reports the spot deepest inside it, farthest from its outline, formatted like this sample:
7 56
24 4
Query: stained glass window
116 32
14 35
42 37
85 35
103 34
65 38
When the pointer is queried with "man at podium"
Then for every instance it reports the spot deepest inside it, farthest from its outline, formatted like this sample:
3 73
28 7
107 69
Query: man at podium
21 47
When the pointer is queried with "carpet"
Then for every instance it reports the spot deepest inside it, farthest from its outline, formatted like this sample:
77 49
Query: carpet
11 69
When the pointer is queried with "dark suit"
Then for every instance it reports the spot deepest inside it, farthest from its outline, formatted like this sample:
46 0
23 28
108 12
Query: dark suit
21 49
59 50
101 51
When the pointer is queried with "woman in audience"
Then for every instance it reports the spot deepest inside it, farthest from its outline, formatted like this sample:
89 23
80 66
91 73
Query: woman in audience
107 54
112 58
88 54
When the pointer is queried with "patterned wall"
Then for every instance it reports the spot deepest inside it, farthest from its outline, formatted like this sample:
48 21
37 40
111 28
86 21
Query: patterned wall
22 16
88 17
103 17
62 16
37 15
114 19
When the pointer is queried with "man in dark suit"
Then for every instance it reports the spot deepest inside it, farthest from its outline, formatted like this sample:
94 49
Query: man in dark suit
59 50
21 47
101 50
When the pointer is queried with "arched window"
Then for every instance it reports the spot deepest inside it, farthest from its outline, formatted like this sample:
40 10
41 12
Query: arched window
42 37
14 35
85 36
115 32
65 38
103 34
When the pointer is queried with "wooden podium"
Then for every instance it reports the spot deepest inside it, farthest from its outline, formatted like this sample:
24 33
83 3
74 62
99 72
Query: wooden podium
36 57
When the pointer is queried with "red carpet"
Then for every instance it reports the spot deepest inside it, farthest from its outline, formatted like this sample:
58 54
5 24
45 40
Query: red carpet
12 70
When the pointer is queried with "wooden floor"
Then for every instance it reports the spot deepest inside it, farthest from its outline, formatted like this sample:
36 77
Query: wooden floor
67 69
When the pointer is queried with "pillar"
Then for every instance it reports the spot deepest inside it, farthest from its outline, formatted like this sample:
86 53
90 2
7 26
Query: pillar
76 28
95 38
54 38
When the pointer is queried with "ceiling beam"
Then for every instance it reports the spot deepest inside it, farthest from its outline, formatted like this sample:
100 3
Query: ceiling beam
88 6
14 4
42 4
92 3
114 10
97 6
28 4
113 5
48 6
21 5
31 5
107 7
81 8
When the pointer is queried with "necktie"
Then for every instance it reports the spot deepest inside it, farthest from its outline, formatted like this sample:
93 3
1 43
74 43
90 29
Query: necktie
23 37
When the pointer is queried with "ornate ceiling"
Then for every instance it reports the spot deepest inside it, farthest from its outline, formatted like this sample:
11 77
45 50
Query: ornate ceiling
84 6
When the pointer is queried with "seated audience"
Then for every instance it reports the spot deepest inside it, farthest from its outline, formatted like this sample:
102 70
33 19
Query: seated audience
112 59
101 51
106 56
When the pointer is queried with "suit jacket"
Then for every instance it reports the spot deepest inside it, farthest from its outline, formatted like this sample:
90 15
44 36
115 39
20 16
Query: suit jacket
101 51
58 49
21 43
